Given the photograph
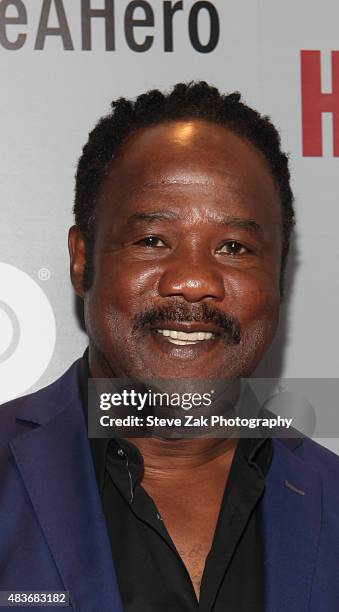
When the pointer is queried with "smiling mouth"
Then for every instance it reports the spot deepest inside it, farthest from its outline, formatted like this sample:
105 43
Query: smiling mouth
184 338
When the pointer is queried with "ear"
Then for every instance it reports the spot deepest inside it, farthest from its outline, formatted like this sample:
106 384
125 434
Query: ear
77 254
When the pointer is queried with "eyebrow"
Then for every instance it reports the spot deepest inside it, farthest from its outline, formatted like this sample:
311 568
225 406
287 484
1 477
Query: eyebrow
218 220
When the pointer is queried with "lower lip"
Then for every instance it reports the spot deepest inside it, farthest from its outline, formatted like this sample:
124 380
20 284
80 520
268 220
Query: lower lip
184 351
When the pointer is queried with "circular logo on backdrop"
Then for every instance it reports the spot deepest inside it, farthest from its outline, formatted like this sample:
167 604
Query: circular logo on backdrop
27 332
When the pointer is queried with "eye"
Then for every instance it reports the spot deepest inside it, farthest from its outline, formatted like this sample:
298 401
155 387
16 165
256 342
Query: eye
232 247
152 242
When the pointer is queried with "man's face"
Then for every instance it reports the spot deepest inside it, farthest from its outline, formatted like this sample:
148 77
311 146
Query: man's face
188 240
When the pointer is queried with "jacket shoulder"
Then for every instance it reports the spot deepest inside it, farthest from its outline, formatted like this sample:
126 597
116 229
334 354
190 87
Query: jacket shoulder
39 406
317 460
319 457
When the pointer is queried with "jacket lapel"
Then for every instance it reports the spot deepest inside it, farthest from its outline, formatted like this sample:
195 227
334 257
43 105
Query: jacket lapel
56 466
291 529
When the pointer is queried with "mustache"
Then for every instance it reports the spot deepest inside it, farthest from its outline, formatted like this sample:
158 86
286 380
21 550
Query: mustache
178 312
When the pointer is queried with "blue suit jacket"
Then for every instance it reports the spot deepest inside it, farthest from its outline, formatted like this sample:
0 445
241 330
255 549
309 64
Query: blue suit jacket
52 529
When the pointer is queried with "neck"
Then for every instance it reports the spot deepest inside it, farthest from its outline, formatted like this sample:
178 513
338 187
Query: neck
99 367
162 455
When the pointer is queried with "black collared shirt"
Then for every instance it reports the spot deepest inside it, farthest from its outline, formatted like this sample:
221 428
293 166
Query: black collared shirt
151 575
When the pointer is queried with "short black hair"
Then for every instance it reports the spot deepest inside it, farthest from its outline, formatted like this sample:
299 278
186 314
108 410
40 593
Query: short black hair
194 100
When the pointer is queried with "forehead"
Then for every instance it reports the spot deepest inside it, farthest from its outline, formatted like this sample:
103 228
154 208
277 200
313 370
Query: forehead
189 163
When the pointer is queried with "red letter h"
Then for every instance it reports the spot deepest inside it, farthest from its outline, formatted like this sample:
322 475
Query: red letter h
314 103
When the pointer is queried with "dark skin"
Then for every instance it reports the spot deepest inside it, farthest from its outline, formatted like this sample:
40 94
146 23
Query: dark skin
188 216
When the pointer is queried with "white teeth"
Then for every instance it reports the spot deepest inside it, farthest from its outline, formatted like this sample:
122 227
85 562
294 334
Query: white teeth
182 342
184 337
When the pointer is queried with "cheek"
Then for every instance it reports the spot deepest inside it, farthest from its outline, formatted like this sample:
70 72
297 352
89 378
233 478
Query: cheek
259 305
256 306
254 298
119 289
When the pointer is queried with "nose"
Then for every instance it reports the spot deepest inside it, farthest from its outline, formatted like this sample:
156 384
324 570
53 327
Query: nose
192 281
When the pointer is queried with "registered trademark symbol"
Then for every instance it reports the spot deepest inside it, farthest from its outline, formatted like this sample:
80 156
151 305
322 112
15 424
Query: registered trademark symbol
44 274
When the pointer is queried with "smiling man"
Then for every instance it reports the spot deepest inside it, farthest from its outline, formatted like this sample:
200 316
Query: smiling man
183 216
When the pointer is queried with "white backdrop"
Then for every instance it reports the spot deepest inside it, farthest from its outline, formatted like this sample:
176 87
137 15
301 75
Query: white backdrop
53 90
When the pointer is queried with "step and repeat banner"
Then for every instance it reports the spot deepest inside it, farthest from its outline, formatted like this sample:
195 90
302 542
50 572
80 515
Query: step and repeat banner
63 61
